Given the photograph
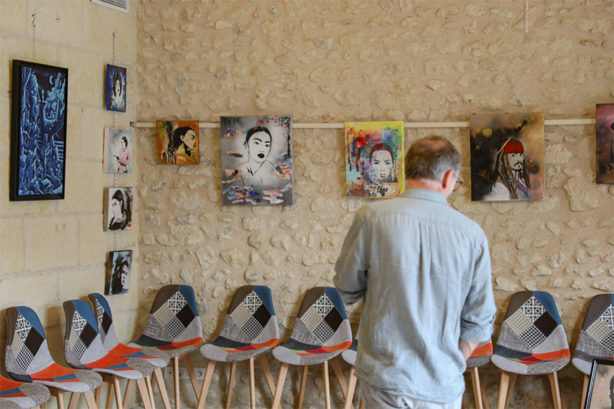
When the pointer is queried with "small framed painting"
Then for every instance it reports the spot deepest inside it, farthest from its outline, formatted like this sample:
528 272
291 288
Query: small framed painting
119 265
178 142
38 131
605 143
116 88
118 208
117 151
600 394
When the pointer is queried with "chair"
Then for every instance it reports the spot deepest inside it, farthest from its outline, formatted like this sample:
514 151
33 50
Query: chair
596 337
250 329
321 332
83 349
480 357
27 359
156 358
531 341
174 327
19 395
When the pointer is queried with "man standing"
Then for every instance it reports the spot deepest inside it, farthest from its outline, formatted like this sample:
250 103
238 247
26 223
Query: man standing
423 270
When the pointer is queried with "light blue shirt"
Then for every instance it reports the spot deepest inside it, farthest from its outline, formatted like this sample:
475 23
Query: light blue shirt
423 270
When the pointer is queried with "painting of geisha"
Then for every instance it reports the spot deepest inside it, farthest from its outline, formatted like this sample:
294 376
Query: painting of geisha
374 159
507 157
257 162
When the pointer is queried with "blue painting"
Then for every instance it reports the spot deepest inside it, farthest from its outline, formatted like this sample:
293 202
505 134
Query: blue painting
38 138
116 88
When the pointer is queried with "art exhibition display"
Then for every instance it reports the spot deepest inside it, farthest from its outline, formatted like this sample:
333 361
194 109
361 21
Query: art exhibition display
374 156
116 88
118 272
257 161
605 143
601 386
118 208
117 155
38 132
507 157
178 142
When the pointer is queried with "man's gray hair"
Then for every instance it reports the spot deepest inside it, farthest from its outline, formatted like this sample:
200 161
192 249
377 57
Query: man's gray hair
430 158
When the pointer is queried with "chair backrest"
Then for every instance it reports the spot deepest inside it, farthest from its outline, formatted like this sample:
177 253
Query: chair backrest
104 318
322 319
532 325
596 339
251 316
82 343
26 351
173 318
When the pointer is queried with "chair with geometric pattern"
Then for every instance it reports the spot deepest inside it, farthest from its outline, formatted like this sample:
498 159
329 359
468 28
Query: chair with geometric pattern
480 357
27 359
596 339
531 341
156 358
250 329
83 348
174 327
321 332
20 395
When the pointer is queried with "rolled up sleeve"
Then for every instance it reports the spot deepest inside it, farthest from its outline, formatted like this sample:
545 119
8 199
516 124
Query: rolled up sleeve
352 265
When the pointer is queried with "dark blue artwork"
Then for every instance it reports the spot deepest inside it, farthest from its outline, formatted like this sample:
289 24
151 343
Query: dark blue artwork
39 131
116 88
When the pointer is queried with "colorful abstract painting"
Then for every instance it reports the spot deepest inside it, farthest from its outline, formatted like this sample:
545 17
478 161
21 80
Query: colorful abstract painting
118 208
507 157
374 156
605 143
257 163
119 265
116 88
178 142
38 134
117 156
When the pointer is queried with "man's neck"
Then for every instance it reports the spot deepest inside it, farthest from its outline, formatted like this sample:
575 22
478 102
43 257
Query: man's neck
427 184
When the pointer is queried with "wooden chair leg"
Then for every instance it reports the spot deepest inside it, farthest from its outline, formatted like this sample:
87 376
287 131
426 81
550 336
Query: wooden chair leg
326 384
159 380
510 389
477 387
301 396
176 382
339 374
98 395
60 397
150 391
74 400
202 398
352 380
283 371
191 373
504 384
267 372
142 386
118 393
556 391
231 381
584 390
128 393
109 403
91 401
252 384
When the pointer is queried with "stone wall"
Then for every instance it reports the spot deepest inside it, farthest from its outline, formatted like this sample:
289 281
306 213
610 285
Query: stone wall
412 60
53 251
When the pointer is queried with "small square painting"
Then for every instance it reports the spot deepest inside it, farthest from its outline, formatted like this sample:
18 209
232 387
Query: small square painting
118 208
605 143
116 88
119 265
178 142
117 151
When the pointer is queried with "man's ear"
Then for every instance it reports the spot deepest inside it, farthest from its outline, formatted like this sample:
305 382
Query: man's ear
448 180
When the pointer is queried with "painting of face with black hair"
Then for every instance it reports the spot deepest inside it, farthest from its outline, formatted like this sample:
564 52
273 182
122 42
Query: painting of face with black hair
605 143
178 142
118 208
507 157
117 154
116 88
257 162
119 265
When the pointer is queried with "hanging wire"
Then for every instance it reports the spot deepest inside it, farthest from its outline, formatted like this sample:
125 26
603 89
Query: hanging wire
526 16
34 36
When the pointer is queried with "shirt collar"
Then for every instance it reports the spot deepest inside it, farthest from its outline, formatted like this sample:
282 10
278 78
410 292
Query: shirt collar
425 194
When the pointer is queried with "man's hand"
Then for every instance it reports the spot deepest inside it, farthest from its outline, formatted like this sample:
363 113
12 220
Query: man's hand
467 348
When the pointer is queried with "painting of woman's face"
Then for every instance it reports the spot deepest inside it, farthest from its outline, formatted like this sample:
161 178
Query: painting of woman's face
116 209
189 139
259 146
382 164
117 87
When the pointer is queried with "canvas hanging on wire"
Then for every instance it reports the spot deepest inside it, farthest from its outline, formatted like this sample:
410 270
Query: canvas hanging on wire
118 208
119 265
507 157
374 156
178 142
116 88
605 143
117 155
257 161
38 131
